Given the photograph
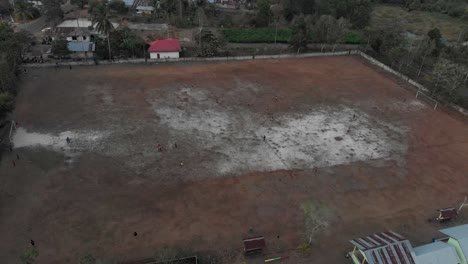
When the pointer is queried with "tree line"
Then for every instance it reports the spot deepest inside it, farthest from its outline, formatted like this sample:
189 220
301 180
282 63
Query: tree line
442 67
13 46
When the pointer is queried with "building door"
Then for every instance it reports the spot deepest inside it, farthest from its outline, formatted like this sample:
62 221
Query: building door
158 56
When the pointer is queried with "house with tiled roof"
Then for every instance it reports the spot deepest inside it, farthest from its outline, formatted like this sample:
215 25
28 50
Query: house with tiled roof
165 49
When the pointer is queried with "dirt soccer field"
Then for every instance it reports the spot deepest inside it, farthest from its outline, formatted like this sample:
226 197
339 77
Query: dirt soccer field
193 155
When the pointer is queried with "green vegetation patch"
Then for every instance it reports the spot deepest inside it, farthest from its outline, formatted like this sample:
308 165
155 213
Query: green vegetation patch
418 22
354 37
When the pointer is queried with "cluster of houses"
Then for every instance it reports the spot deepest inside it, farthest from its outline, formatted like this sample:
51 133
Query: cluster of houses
392 248
81 36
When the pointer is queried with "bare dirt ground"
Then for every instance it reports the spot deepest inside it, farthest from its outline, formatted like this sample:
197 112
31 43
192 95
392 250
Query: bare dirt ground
338 135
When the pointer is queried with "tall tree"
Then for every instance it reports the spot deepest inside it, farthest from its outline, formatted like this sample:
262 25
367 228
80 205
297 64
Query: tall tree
60 47
118 6
12 46
297 7
339 30
126 43
53 11
359 13
300 34
436 39
208 44
450 78
5 7
101 18
25 10
79 3
384 38
263 13
323 29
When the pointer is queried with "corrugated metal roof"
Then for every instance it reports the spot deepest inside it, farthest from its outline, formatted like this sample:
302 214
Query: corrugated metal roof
145 8
448 213
140 3
386 248
80 22
436 253
129 2
254 243
81 46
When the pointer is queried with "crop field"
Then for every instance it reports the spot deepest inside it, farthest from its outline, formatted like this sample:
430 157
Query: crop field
198 156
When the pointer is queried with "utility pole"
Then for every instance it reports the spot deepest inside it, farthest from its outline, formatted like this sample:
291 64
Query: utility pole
276 30
180 9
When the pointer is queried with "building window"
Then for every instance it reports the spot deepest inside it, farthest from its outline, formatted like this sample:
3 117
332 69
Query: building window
74 38
84 37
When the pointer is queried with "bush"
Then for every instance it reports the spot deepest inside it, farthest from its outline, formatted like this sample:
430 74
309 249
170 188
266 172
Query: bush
456 12
29 256
257 35
60 47
6 103
354 38
118 6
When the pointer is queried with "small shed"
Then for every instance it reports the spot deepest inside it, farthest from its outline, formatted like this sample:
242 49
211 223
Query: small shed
436 253
165 49
447 214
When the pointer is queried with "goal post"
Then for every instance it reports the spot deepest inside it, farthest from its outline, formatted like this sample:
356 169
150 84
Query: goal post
12 129
427 99
463 204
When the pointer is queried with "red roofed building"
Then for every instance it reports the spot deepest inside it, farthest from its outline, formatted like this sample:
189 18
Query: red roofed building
164 49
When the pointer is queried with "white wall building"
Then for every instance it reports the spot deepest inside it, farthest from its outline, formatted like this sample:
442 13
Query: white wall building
165 49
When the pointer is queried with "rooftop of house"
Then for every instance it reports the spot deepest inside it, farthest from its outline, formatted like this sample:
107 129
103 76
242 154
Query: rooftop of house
145 8
165 45
79 23
457 232
436 253
129 2
460 233
386 248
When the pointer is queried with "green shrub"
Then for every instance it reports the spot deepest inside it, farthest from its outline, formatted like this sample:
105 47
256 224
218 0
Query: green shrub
456 12
29 256
354 38
6 103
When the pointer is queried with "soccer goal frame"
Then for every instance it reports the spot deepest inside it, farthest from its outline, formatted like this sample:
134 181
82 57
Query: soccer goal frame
12 128
427 99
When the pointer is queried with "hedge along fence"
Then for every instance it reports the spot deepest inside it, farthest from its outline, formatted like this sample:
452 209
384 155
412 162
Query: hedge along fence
267 35
354 37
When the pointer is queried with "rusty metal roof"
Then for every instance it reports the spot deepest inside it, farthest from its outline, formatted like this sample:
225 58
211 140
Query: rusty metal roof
448 213
386 248
254 243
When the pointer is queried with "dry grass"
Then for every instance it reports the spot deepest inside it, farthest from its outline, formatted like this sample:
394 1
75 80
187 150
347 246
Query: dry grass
418 22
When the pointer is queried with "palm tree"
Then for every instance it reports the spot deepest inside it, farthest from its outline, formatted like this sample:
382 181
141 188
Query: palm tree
100 17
